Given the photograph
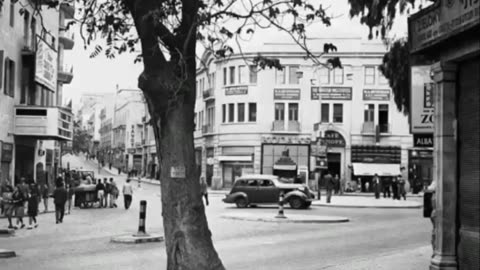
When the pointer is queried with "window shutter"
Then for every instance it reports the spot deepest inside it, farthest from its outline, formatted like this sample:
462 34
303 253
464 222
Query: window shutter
12 79
1 70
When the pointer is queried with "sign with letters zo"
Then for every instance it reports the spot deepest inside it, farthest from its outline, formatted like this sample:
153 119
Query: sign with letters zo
421 100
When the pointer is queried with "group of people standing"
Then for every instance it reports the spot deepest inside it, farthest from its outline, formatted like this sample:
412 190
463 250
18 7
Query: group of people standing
107 193
391 187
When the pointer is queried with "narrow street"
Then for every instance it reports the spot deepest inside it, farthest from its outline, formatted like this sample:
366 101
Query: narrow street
83 240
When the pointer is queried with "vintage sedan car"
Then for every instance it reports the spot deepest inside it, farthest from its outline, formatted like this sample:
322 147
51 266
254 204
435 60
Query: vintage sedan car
265 189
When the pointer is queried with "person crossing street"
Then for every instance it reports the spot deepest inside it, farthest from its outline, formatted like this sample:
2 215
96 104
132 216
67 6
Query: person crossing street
127 191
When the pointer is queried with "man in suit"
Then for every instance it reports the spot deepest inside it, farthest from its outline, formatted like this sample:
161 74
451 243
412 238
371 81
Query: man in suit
376 186
330 183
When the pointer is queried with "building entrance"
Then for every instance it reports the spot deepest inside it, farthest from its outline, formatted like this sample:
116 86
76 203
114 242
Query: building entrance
334 163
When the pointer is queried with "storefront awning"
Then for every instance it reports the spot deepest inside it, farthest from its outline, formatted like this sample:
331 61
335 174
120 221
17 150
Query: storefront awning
235 158
371 169
284 167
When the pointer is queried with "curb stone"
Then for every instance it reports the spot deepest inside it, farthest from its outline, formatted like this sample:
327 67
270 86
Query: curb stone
134 239
4 253
288 219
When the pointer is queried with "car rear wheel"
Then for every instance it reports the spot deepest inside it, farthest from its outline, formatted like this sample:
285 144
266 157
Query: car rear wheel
296 203
241 202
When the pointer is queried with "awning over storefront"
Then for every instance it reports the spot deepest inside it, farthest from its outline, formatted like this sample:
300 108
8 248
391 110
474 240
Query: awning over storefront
284 167
235 158
371 169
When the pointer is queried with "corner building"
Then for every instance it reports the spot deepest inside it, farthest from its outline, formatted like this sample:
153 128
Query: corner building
271 121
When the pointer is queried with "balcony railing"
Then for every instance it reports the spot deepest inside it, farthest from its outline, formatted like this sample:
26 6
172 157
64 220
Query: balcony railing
207 129
67 39
65 74
291 127
368 128
53 123
208 94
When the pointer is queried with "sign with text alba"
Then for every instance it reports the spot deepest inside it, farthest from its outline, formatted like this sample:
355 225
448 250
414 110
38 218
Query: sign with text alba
421 100
286 94
331 93
376 94
46 65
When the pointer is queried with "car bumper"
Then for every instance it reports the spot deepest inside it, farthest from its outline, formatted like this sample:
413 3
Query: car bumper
228 199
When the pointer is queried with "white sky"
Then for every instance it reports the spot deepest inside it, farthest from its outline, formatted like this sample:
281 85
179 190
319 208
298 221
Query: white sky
101 75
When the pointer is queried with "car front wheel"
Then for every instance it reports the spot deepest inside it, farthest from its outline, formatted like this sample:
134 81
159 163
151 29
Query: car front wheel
296 203
241 202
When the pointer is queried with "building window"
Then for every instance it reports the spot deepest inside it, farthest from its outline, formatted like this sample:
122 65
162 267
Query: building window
369 75
212 80
325 112
292 75
324 76
241 112
9 77
253 74
242 75
279 112
369 113
252 112
200 119
231 112
224 113
338 76
33 31
232 75
12 13
280 76
210 116
225 76
338 113
383 118
26 29
293 111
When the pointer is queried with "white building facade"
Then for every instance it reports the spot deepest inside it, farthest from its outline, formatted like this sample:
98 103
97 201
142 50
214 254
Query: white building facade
269 121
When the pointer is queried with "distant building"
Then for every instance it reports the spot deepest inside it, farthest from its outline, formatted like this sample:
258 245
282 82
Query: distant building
270 121
32 73
127 129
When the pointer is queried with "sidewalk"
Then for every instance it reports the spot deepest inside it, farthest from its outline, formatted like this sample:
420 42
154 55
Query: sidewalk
412 259
366 202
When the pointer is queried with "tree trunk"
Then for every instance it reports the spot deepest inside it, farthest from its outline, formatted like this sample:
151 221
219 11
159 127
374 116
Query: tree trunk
187 236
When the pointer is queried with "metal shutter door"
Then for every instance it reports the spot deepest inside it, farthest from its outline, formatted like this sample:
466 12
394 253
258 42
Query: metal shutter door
468 164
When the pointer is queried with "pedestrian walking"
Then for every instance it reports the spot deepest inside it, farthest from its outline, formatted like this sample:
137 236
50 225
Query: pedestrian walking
401 188
60 197
336 181
108 191
8 204
204 189
70 193
32 209
376 186
45 192
127 191
19 205
100 189
386 183
395 194
114 193
330 183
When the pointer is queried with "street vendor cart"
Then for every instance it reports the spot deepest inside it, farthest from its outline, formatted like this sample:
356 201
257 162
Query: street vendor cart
85 196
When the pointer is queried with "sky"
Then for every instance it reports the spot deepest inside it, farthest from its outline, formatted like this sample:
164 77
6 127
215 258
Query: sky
101 75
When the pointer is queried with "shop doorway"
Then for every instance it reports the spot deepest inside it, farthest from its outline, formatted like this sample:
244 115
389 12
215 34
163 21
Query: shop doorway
24 155
334 163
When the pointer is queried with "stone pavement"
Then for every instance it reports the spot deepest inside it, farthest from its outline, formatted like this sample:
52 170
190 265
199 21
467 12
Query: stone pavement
366 202
290 218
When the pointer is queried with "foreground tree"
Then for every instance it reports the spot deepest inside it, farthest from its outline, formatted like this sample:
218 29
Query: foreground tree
379 16
168 32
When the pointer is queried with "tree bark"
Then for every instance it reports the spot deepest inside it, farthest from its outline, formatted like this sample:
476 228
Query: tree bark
187 236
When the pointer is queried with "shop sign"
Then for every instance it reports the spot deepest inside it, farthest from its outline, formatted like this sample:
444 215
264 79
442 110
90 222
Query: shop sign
46 65
376 94
440 21
331 93
285 140
131 150
286 94
421 100
333 139
236 90
7 152
423 140
318 148
132 136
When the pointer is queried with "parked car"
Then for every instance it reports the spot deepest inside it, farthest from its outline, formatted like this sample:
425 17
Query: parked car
265 189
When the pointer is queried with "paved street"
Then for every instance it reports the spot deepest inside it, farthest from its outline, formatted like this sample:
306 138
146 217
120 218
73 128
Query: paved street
372 239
